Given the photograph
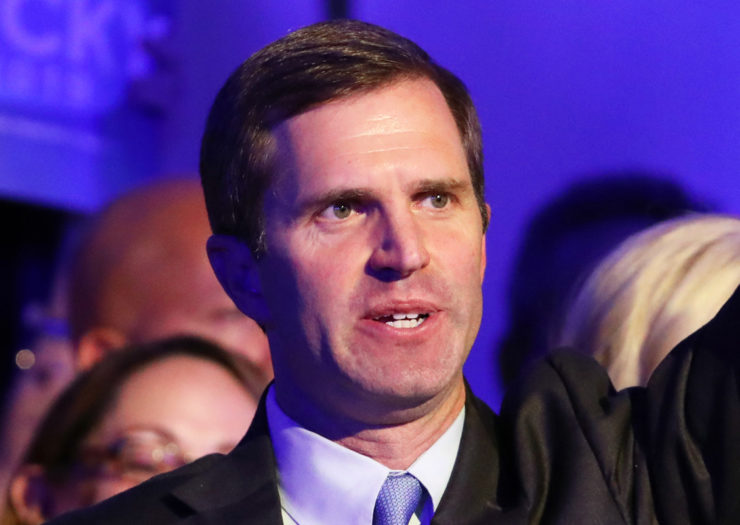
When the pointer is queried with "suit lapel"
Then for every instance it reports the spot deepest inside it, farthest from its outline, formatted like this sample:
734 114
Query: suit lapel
240 488
471 494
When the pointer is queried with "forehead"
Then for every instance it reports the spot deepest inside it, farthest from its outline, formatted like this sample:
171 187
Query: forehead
408 122
169 391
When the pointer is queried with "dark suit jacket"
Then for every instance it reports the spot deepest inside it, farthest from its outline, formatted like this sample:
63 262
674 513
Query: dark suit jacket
566 449
241 487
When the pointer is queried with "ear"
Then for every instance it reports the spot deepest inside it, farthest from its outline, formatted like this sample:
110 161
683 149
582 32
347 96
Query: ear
30 495
483 259
236 270
97 343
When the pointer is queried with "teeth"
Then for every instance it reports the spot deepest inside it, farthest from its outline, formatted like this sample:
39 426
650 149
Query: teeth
405 316
406 320
403 320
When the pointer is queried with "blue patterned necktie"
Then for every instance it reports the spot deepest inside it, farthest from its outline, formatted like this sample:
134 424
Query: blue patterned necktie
397 500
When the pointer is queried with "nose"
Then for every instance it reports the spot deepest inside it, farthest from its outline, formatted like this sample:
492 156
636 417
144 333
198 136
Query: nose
400 246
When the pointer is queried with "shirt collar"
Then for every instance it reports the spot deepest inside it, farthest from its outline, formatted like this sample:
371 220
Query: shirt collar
323 482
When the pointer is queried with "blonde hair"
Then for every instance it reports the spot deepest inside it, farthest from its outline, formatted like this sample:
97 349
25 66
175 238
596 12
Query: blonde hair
655 289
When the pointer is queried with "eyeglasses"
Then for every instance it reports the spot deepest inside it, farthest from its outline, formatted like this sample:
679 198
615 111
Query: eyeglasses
137 455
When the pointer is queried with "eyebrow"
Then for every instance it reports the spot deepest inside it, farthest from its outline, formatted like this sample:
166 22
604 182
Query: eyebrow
442 185
152 429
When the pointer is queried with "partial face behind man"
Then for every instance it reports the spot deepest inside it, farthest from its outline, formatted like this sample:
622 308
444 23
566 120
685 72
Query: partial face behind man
143 274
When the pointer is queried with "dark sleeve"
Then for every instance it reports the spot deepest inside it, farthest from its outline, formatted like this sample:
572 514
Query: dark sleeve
149 502
570 449
693 424
668 453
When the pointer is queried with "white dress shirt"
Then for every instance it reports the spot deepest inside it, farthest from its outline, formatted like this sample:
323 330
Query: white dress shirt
322 482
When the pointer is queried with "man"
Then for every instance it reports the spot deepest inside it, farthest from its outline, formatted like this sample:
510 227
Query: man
343 177
141 273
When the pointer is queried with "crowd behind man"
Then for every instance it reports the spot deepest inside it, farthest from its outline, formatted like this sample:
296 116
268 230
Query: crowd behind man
139 273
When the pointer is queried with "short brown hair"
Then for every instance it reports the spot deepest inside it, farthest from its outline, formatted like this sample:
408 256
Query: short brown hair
311 66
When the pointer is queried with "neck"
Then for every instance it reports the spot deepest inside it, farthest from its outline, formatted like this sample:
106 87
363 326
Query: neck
401 436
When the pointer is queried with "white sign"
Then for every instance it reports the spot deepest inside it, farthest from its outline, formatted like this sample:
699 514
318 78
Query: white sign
73 56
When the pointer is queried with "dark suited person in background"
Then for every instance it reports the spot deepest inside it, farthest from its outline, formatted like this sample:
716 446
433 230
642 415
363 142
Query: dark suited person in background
342 170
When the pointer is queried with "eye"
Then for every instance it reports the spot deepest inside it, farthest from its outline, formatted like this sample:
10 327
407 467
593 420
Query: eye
338 210
341 210
438 200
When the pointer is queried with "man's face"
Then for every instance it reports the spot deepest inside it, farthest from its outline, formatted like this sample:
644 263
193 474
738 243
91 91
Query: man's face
375 253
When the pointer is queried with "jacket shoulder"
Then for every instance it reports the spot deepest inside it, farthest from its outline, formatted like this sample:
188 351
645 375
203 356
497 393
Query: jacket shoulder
151 499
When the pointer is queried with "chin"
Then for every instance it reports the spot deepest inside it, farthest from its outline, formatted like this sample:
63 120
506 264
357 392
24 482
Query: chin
409 388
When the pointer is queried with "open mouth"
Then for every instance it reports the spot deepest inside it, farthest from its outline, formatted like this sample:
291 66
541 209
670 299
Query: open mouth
402 320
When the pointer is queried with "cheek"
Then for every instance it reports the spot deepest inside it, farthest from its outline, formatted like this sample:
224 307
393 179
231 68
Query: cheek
323 273
77 492
462 259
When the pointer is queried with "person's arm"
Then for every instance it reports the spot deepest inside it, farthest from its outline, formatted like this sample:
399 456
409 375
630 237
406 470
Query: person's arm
568 447
693 424
667 453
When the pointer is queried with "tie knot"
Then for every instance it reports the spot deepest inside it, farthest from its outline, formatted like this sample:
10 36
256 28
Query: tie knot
397 500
